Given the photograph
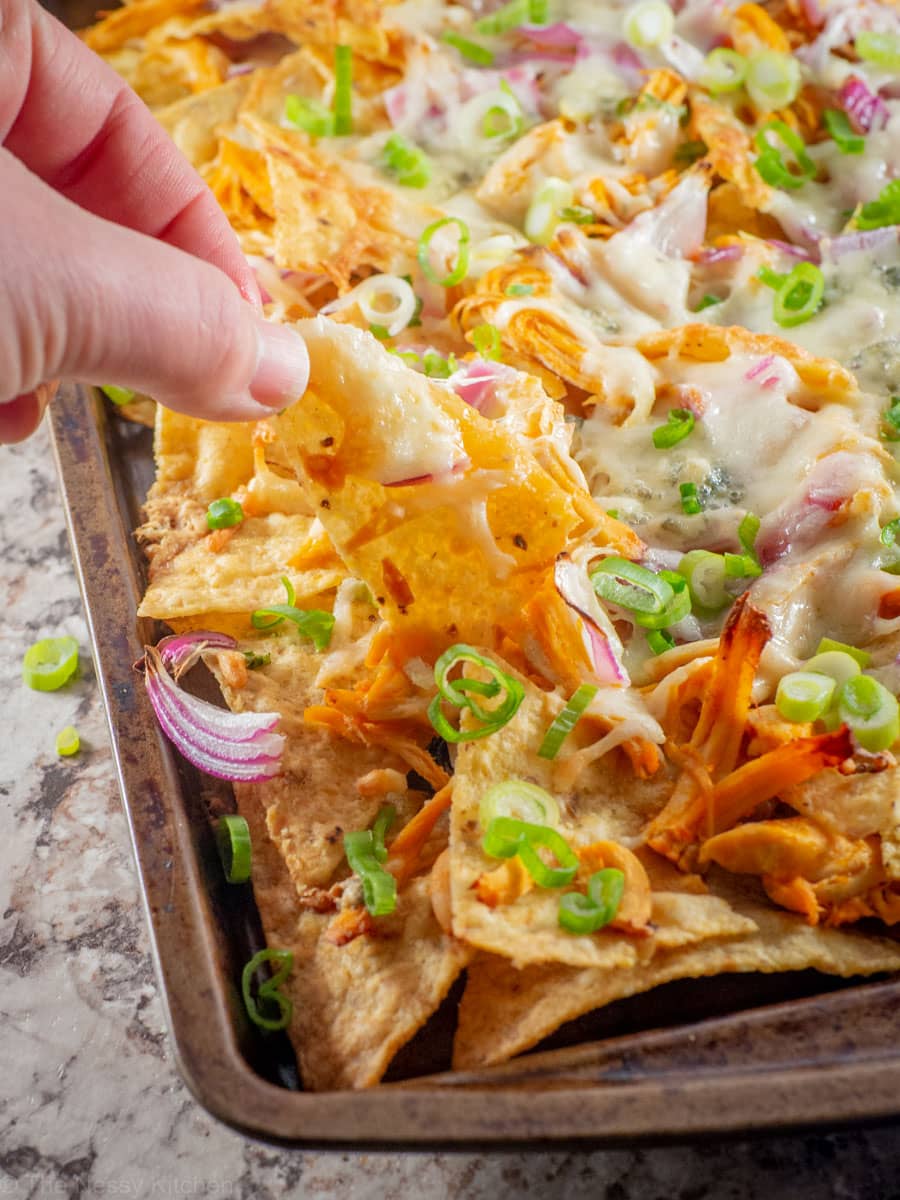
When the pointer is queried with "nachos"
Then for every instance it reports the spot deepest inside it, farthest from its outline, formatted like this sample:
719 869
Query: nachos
558 623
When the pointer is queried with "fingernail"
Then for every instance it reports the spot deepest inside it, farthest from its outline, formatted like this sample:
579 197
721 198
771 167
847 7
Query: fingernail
282 369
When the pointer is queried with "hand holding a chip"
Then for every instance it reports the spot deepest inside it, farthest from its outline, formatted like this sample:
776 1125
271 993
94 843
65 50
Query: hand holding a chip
118 267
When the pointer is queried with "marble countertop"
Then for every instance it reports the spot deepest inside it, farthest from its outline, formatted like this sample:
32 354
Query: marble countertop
90 1101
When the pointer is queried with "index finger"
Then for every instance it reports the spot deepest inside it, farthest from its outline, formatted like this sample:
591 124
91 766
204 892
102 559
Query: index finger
71 120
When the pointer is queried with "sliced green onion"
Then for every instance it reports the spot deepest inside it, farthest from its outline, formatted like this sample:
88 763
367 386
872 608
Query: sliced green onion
705 575
772 80
309 115
409 165
118 395
513 13
746 565
518 799
255 661
486 340
379 886
565 721
648 23
846 138
577 214
676 610
835 664
582 914
770 163
50 663
343 91
870 712
827 645
235 850
459 693
888 536
882 49
520 289
538 12
891 421
723 71
268 991
503 117
804 695
800 295
480 55
68 742
436 367
544 210
380 826
659 641
690 152
690 501
619 581
678 426
747 532
506 837
224 513
458 272
885 210
380 331
312 623
772 279
708 301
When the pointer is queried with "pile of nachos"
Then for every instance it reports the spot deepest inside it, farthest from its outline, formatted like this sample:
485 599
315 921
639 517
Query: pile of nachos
558 623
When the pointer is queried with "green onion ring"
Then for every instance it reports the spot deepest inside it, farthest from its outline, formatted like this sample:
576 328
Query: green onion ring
269 989
234 846
459 271
565 721
620 581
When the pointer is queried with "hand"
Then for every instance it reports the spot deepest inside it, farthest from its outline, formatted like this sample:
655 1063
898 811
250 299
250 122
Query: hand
117 264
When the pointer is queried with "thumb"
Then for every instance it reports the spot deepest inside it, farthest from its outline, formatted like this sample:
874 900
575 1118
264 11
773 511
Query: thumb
91 300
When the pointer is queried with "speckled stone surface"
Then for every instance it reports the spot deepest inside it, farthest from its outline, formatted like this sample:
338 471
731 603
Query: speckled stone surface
90 1101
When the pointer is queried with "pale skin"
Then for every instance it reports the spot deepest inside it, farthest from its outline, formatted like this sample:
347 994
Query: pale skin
118 266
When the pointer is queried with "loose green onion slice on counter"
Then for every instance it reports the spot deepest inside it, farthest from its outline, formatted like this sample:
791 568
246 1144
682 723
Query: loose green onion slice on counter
460 692
885 210
406 162
690 501
882 49
804 695
118 395
269 991
659 641
565 721
436 367
846 138
480 55
888 536
235 850
723 71
577 214
679 424
379 886
705 575
676 610
50 663
224 513
312 623
458 272
708 301
380 826
800 295
309 115
827 645
631 586
543 213
870 712
648 23
518 799
770 163
586 914
486 340
835 664
343 90
772 80
513 13
506 837
68 742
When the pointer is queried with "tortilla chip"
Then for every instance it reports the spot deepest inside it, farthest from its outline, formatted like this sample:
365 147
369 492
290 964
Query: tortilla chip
504 1011
354 1005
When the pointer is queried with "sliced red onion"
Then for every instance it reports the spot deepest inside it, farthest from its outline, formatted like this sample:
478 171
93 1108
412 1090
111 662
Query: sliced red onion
758 368
866 107
867 239
476 383
235 746
180 651
601 639
803 253
456 469
800 525
718 254
559 35
812 10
